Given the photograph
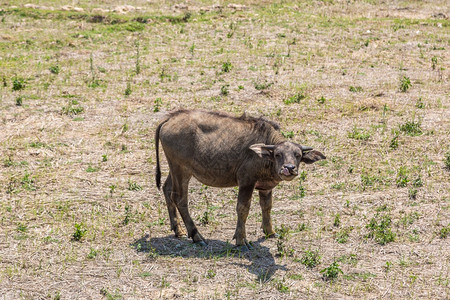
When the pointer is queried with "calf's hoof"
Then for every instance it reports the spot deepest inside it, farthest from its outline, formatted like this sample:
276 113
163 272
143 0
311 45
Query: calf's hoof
201 243
245 247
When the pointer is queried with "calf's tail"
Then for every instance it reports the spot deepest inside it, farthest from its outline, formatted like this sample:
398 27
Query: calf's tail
158 168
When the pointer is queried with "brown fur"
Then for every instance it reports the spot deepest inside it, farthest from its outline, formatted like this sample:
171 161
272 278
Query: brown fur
224 151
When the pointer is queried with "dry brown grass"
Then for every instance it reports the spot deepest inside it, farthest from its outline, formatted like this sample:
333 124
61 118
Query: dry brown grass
61 167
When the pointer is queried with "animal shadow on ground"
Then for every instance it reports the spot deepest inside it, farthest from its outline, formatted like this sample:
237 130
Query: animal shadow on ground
262 261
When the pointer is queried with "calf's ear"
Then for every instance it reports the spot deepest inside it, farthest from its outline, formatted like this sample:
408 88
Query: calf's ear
263 150
312 156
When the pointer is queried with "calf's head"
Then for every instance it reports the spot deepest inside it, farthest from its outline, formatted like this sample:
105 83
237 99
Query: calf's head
286 157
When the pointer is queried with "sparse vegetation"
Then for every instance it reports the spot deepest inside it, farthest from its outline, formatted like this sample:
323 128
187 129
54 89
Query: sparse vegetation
80 232
83 87
331 272
380 229
405 84
311 258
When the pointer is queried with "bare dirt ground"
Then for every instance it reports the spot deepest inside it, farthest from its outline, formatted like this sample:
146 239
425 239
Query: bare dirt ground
84 85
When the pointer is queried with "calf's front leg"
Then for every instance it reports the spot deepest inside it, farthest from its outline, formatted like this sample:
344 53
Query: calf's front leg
242 209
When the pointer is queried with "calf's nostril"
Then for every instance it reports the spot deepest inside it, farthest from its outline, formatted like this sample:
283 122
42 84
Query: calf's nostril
290 167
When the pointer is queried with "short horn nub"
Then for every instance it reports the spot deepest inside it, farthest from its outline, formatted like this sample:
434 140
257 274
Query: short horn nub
306 148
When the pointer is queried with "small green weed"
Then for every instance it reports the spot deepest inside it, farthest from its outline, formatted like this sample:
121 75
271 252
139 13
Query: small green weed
310 258
411 128
19 101
393 144
226 67
288 134
263 85
91 169
447 160
22 227
157 105
332 271
281 286
321 100
434 62
224 91
405 84
412 193
359 134
92 254
355 89
54 69
128 89
337 220
380 229
402 177
127 218
210 274
138 57
72 108
420 104
295 98
27 182
18 83
343 235
80 232
133 186
444 232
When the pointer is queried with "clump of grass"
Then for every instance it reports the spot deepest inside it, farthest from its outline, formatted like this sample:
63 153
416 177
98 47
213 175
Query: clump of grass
393 144
405 84
359 134
444 232
288 134
80 232
337 220
133 186
321 100
157 104
128 90
19 101
355 89
263 85
18 83
295 98
310 258
137 64
72 108
54 69
28 182
92 253
411 128
331 272
402 177
281 286
447 160
419 103
380 229
224 90
127 218
226 67
343 235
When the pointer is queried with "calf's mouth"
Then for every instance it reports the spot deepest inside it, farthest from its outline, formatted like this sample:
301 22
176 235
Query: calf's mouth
287 174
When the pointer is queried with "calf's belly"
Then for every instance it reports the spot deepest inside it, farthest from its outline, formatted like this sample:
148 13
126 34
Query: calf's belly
216 180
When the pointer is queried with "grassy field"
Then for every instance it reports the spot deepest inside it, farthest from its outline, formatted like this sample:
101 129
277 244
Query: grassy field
82 88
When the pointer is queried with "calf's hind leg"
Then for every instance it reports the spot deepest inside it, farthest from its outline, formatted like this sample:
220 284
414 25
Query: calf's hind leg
265 200
172 208
180 183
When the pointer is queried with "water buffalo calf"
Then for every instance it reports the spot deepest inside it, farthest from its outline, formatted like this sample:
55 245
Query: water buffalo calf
224 151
